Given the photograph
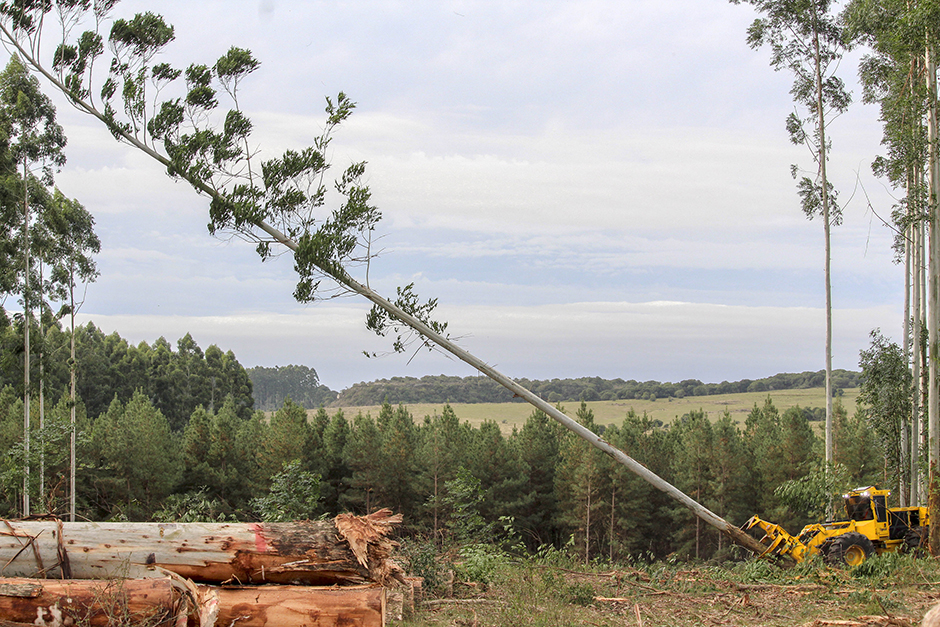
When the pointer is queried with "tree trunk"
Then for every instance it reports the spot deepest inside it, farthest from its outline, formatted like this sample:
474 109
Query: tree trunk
914 329
933 396
907 434
61 603
72 398
25 345
165 602
347 550
300 606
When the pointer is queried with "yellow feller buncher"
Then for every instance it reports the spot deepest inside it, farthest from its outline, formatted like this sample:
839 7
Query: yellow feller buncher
870 527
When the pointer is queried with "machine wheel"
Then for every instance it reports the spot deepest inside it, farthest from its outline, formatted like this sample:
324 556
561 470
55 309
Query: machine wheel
849 549
915 541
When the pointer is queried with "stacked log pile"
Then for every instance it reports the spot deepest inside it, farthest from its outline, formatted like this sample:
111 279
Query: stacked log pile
315 574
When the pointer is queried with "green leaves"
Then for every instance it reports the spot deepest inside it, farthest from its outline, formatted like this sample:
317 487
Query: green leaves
381 323
142 37
885 394
279 200
294 495
28 118
233 67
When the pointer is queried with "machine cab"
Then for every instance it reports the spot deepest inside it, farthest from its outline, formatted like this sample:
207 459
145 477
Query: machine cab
867 504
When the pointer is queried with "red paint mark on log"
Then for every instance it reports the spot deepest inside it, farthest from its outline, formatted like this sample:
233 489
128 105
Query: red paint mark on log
261 545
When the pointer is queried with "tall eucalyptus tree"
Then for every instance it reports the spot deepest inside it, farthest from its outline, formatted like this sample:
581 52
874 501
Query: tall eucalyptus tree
894 76
805 38
74 267
36 143
279 201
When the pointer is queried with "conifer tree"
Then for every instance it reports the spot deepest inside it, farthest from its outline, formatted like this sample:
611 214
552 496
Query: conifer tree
579 484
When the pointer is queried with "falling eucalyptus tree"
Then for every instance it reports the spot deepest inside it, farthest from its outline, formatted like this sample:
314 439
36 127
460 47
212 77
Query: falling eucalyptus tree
805 38
36 143
280 201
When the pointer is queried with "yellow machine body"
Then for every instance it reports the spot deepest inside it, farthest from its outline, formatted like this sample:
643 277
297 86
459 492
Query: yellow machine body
870 526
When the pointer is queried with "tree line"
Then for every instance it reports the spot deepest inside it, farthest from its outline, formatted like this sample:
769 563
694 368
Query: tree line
453 482
175 380
479 389
272 386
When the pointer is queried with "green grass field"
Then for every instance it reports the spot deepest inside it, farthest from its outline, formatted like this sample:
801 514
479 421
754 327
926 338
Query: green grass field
509 415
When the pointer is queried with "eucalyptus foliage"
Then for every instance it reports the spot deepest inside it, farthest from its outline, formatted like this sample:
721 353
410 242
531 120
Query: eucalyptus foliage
110 69
885 396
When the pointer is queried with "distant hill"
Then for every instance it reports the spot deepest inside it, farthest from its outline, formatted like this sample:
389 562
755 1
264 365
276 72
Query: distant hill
480 389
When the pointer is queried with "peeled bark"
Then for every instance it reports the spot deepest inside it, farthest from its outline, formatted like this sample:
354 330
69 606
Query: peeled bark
348 550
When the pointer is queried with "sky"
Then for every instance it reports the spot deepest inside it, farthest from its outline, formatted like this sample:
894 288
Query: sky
596 188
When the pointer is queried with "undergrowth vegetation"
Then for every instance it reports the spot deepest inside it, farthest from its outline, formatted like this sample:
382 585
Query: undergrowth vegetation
485 586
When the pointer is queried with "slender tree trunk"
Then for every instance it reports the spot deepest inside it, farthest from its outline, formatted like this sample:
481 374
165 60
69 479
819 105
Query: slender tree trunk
587 522
915 330
436 504
42 400
26 315
824 184
72 398
908 437
933 408
613 500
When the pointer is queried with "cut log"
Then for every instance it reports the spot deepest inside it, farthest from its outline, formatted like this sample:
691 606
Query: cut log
64 603
300 606
349 550
167 603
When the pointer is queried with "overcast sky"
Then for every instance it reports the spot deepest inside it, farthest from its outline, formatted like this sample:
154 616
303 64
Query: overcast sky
589 189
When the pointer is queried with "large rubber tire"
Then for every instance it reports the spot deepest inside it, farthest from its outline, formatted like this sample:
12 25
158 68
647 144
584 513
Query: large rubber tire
915 541
849 549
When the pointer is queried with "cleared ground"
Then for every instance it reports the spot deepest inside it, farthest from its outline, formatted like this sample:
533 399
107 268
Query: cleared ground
509 415
883 593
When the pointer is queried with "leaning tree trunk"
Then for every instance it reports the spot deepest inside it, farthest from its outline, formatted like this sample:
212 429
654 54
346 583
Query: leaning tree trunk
342 278
346 550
